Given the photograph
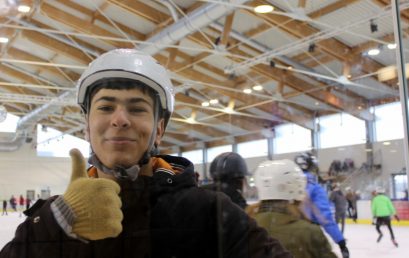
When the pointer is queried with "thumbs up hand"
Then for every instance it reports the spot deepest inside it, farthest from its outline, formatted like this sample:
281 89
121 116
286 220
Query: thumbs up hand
94 201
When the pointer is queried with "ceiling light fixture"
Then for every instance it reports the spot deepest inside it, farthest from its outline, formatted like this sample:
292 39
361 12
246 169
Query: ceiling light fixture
214 101
23 8
373 52
247 90
265 8
391 45
258 87
4 40
205 104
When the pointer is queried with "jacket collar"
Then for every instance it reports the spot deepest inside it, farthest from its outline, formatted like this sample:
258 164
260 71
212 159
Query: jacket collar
168 182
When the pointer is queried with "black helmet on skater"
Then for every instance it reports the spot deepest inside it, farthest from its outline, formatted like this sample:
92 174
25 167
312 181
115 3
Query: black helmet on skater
307 162
228 165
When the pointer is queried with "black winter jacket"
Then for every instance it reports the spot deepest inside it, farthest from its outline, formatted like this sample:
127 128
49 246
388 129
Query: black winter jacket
230 191
164 216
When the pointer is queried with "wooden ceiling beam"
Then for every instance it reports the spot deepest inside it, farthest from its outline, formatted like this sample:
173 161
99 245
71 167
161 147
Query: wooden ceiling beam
333 100
246 123
56 46
20 77
330 46
96 16
303 120
204 129
82 25
173 52
17 109
300 30
306 87
142 10
227 29
302 3
181 138
331 8
22 55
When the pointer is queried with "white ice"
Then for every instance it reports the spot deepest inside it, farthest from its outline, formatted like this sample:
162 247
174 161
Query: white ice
361 239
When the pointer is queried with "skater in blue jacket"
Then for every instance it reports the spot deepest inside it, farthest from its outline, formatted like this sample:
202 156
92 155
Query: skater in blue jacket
317 207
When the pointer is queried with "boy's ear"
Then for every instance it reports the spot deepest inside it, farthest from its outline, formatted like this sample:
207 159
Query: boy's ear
160 131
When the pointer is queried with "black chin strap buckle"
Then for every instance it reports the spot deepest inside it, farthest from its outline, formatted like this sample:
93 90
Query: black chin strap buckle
126 174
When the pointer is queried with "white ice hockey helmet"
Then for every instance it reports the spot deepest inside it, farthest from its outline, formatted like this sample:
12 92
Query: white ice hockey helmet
280 180
380 189
128 64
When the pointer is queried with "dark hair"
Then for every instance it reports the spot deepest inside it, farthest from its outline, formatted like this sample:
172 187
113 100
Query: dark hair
119 84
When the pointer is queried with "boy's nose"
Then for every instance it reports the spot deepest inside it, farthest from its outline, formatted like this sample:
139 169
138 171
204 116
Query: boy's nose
120 119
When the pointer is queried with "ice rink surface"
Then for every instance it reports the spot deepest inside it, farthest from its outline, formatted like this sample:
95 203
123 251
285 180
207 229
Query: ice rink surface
361 239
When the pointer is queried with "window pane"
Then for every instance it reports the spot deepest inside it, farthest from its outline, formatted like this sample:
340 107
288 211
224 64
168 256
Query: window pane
53 143
388 122
340 130
253 149
195 156
291 138
213 152
9 125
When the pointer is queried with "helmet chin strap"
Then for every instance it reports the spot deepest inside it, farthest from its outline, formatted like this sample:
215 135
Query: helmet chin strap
131 173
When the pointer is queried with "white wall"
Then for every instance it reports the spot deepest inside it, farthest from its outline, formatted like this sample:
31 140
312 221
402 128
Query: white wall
23 170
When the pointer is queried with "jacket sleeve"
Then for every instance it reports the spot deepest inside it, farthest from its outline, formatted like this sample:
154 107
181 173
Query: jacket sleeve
38 236
320 247
322 214
373 207
242 237
391 208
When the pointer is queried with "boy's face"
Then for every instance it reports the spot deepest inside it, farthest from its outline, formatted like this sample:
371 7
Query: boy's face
119 125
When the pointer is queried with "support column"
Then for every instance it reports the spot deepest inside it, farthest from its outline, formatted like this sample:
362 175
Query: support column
370 133
270 148
204 153
403 84
315 137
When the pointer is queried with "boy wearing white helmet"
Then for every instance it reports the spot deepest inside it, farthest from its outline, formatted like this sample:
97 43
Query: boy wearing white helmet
133 202
281 188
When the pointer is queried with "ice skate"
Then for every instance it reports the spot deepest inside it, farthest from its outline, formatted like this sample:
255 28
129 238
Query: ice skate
379 238
395 243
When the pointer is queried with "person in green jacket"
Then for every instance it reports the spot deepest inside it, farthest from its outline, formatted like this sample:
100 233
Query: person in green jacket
281 189
382 210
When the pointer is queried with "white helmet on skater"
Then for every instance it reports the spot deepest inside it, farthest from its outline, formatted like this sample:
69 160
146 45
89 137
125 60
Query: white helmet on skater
280 180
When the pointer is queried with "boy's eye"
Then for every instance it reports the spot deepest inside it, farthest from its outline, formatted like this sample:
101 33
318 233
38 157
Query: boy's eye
105 108
137 109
